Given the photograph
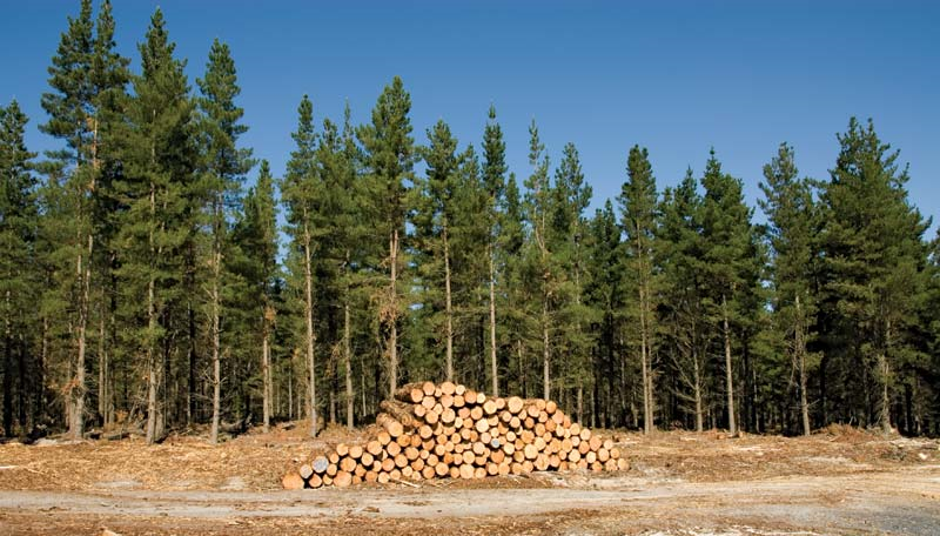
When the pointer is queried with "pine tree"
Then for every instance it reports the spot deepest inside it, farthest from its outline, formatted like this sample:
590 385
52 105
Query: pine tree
567 234
109 77
223 170
792 214
537 210
69 119
516 293
433 220
87 78
389 158
350 228
603 295
300 192
728 235
257 239
638 204
680 257
18 219
494 182
874 257
160 159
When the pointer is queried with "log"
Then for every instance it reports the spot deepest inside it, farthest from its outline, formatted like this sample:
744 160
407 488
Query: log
401 411
448 388
410 393
391 424
384 437
515 404
342 479
320 464
306 471
489 406
429 401
292 480
355 452
348 464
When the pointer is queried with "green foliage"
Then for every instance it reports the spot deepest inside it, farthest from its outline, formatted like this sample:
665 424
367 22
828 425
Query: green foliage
139 219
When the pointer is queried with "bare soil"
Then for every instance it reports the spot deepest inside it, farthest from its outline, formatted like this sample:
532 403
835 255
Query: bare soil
839 481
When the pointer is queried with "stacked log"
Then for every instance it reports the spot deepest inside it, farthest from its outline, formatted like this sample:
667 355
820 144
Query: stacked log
436 431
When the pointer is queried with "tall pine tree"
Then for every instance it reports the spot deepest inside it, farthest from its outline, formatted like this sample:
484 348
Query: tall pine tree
638 204
389 159
223 169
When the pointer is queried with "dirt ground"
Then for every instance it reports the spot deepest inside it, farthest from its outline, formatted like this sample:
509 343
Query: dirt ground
839 481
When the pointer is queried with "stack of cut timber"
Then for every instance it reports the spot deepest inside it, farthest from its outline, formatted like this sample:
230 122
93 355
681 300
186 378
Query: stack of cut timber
447 430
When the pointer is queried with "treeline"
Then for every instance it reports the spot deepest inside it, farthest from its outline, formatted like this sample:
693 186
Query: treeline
142 284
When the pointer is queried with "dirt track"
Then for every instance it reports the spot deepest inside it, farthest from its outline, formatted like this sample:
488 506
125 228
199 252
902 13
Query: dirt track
895 502
680 484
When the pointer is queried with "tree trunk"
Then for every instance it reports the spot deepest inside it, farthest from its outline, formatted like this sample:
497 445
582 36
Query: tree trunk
546 353
647 410
393 313
729 377
801 361
77 389
645 356
8 371
697 376
151 329
449 310
347 352
308 316
266 368
104 393
216 343
494 370
191 318
884 407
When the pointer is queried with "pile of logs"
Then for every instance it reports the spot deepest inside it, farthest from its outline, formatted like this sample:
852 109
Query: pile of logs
447 430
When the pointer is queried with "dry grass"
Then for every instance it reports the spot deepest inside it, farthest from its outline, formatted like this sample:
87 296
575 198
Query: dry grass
256 461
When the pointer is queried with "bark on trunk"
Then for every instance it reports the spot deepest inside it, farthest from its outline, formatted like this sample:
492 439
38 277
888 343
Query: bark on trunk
449 310
266 369
347 352
697 376
393 314
104 393
729 377
494 372
8 371
308 314
216 364
800 337
191 319
647 410
884 409
546 353
151 329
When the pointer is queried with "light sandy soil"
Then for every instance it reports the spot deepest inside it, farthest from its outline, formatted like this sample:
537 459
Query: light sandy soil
837 482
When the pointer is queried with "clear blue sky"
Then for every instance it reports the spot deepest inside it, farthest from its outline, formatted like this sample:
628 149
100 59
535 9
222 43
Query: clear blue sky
676 77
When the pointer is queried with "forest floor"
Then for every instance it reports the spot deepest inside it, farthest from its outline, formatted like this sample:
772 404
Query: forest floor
839 481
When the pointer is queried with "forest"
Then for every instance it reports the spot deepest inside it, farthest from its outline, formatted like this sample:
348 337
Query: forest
155 275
